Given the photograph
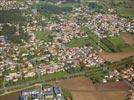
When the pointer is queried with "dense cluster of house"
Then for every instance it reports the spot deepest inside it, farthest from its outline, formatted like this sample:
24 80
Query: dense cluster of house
104 24
131 95
21 61
17 61
53 57
66 31
126 74
12 4
48 93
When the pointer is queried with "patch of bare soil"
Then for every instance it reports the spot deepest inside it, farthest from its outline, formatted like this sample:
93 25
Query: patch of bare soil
128 38
115 56
79 83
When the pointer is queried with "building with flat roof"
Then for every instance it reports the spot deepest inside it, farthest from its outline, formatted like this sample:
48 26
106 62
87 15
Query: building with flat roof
57 91
48 93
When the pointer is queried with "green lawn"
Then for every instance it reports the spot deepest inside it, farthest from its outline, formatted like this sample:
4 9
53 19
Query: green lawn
23 50
120 43
116 40
69 5
80 42
45 36
67 93
54 75
126 12
77 42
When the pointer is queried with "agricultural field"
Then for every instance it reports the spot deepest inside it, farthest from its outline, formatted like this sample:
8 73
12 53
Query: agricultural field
92 40
125 12
112 57
111 44
54 75
83 89
128 38
81 84
121 44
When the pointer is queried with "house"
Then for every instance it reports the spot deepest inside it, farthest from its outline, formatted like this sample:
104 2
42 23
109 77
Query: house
57 91
48 93
23 98
2 41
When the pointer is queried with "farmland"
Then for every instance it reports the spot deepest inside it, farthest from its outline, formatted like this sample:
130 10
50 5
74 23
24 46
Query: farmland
110 44
83 89
125 12
128 38
116 56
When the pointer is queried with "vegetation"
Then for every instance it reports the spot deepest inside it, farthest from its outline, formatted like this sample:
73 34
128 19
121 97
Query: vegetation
77 42
9 32
96 74
118 42
67 1
67 94
91 40
125 12
12 16
112 47
45 36
1 82
54 76
124 63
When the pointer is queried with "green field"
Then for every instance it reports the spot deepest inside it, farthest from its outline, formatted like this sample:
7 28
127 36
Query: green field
120 43
117 41
111 44
77 42
92 40
128 49
125 12
45 36
54 75
102 45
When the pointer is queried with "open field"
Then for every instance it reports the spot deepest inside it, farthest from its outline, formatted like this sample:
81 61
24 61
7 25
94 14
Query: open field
12 96
117 40
109 95
83 89
128 38
111 44
125 12
76 84
80 95
116 56
46 36
113 86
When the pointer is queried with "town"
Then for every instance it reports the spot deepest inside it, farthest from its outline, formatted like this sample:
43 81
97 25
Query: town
34 48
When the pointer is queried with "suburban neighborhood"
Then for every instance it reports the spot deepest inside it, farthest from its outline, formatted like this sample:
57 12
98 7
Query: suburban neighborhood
47 42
